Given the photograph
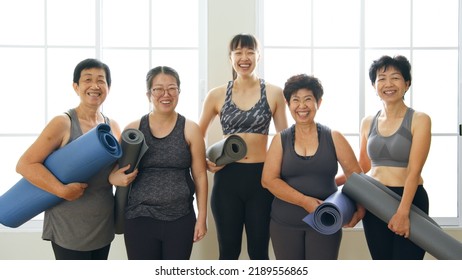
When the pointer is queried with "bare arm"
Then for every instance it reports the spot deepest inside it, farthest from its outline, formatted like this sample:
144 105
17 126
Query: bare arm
199 172
278 107
30 165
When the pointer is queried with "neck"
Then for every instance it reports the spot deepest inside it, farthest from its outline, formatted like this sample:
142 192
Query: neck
88 113
394 110
163 117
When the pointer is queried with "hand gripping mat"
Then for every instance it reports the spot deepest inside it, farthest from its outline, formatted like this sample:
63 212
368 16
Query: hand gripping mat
133 147
78 161
425 232
227 150
331 215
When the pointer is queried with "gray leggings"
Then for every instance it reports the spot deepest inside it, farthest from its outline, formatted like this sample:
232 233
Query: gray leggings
303 244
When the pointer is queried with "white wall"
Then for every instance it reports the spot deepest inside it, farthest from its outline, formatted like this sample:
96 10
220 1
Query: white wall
225 19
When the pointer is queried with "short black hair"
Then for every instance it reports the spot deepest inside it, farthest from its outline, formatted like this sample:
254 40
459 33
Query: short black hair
88 64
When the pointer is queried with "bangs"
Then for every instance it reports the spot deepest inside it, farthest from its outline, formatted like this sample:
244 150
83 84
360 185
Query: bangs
243 41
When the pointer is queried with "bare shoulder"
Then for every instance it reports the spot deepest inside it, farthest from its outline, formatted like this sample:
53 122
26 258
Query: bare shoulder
273 89
421 117
133 125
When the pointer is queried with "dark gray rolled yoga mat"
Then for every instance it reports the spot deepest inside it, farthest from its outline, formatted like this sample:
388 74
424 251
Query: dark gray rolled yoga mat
425 232
134 147
227 150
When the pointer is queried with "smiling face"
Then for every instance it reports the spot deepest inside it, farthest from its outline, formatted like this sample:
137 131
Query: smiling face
244 60
303 106
92 86
390 84
167 100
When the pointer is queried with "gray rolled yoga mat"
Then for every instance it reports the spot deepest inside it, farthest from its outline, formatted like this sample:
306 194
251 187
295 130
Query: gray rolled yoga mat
331 215
133 147
425 232
227 150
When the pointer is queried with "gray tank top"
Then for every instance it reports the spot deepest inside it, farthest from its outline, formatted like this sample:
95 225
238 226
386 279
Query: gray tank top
313 176
163 188
392 150
87 223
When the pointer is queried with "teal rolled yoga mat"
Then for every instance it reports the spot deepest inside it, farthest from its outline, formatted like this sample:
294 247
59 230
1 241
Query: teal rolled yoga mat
425 232
78 161
227 150
331 215
134 147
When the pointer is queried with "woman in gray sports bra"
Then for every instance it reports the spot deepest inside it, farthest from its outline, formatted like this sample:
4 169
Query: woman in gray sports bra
394 147
300 171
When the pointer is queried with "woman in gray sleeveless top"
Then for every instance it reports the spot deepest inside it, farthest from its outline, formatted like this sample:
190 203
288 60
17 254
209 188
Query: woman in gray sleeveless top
300 171
82 226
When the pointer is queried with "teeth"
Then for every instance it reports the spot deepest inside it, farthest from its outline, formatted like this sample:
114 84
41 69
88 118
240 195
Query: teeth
165 102
94 94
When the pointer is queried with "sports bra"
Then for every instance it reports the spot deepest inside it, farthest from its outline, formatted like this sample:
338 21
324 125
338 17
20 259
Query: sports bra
391 150
255 120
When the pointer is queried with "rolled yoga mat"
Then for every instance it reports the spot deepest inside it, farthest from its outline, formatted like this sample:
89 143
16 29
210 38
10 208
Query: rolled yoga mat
78 161
227 150
134 147
331 215
425 232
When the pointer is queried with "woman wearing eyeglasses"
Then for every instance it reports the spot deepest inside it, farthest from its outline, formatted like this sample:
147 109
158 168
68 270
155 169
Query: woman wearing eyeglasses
160 220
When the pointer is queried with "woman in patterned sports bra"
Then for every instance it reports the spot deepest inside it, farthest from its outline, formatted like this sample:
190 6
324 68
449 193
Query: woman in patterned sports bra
394 147
245 106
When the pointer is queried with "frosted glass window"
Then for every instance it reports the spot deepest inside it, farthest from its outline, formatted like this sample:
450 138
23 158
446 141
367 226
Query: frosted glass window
27 18
125 25
175 23
71 22
388 23
22 109
332 26
435 23
287 23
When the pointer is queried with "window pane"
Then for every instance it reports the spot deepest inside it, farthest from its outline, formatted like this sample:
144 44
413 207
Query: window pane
188 104
441 182
441 30
280 64
133 30
60 93
345 29
340 107
71 22
11 148
279 31
22 78
182 19
435 80
127 100
387 23
28 27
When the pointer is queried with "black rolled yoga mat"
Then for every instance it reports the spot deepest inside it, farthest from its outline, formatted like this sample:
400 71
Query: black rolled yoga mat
78 161
134 147
227 150
425 232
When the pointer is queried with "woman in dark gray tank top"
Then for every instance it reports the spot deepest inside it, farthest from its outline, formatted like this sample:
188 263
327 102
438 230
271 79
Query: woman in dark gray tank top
300 171
160 220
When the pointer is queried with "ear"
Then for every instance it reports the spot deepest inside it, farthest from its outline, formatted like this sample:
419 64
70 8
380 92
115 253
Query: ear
319 102
76 88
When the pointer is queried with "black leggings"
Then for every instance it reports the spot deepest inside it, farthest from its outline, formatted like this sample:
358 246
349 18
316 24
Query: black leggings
383 243
151 239
67 254
238 199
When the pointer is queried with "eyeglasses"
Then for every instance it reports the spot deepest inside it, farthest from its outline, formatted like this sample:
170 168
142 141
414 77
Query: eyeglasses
159 91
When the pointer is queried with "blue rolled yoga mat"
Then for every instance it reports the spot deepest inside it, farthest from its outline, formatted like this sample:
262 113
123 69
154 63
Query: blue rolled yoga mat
425 232
78 161
134 147
331 215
